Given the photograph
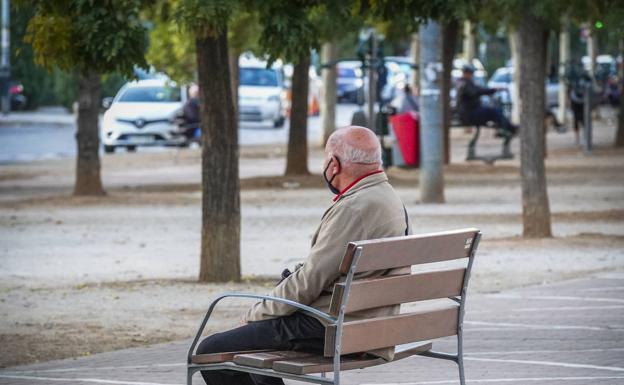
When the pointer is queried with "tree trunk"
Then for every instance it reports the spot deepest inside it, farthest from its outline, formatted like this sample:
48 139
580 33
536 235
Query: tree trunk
431 125
297 157
88 180
415 55
619 138
535 206
468 42
329 54
449 43
234 75
516 100
220 242
564 59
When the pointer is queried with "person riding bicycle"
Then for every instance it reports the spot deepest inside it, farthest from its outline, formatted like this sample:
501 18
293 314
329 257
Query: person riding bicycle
472 112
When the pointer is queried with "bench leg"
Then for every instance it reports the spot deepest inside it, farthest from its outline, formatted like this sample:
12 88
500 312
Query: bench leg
189 376
472 152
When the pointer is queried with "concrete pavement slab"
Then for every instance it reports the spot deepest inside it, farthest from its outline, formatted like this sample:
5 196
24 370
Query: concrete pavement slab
571 332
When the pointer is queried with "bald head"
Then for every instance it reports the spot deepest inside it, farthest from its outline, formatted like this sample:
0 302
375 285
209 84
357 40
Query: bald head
356 147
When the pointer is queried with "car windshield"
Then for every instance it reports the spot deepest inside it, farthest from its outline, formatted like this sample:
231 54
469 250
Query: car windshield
344 72
501 77
261 77
151 94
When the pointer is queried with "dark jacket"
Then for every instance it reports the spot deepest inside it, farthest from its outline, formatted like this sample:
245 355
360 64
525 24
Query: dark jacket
190 113
468 96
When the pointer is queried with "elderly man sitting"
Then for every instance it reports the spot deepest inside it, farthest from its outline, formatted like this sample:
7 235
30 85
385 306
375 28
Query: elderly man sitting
365 206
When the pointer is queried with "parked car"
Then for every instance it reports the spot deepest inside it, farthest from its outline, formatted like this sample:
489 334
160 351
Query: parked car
143 113
349 81
503 79
399 71
261 94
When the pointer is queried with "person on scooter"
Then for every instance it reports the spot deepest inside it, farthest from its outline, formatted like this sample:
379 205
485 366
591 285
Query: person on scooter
190 113
472 112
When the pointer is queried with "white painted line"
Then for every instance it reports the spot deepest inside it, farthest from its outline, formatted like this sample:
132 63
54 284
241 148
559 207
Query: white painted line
93 380
545 351
553 308
498 380
544 327
607 288
548 363
91 368
555 297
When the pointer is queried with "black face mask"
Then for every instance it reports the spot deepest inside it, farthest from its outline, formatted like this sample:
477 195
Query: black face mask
328 181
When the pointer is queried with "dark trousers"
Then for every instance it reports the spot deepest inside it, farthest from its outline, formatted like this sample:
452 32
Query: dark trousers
481 115
294 332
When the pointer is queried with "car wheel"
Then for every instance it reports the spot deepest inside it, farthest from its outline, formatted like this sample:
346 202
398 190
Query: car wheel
279 123
131 148
109 149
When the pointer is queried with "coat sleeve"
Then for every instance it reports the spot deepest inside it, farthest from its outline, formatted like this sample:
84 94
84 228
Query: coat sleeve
338 228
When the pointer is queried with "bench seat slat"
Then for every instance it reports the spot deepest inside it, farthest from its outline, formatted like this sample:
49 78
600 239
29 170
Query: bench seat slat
369 294
265 360
369 334
319 364
214 358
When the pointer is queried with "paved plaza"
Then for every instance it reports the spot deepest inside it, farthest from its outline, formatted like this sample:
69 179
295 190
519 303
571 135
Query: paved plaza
571 332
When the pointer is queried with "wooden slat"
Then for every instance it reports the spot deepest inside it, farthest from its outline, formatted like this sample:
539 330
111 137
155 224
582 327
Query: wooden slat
213 358
265 360
387 253
318 364
368 294
375 333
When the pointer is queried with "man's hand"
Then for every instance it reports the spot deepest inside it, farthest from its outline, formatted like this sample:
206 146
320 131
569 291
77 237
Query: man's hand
242 322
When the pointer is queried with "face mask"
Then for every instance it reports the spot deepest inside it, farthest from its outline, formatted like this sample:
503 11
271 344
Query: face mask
331 187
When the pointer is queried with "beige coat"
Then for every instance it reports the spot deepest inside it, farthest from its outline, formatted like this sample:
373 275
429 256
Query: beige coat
370 209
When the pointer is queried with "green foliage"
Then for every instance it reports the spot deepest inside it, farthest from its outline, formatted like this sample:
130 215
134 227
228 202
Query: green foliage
87 35
288 29
172 50
204 17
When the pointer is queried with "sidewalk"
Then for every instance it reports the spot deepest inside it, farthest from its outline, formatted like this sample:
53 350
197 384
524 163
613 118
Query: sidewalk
570 332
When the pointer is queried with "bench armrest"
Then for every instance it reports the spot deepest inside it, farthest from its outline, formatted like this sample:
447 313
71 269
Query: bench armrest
298 305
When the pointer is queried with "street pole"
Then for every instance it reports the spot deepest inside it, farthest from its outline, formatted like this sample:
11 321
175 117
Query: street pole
5 66
564 60
372 84
468 42
431 127
329 55
587 123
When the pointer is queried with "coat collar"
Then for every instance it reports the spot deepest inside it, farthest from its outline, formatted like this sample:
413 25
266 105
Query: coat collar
362 183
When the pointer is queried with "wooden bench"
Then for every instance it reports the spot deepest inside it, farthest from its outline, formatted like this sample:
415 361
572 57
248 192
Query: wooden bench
345 341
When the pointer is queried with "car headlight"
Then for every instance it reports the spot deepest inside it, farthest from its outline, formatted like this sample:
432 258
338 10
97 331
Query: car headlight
274 98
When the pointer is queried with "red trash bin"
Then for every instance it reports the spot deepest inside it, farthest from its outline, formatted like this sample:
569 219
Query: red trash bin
406 130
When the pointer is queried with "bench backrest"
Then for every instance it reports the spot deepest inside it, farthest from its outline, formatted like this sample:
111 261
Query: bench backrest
390 253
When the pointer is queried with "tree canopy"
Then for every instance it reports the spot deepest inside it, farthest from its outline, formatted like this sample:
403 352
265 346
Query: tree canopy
87 35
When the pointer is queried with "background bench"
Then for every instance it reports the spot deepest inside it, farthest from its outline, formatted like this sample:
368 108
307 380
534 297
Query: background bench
345 341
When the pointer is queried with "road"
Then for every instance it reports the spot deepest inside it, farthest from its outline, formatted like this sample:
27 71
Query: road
49 134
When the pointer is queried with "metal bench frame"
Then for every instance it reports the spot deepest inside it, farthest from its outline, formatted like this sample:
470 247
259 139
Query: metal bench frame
458 358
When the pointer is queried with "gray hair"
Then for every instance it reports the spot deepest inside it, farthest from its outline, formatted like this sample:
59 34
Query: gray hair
346 152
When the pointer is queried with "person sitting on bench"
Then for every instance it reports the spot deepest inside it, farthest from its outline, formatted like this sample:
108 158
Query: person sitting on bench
365 206
472 112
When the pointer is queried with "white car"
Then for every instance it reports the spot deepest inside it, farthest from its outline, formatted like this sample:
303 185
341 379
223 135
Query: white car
261 96
143 113
503 79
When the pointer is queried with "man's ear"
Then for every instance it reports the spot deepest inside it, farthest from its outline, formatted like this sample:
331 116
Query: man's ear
337 167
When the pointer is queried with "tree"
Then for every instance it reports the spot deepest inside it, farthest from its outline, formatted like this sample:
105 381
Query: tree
220 240
535 205
93 38
289 33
